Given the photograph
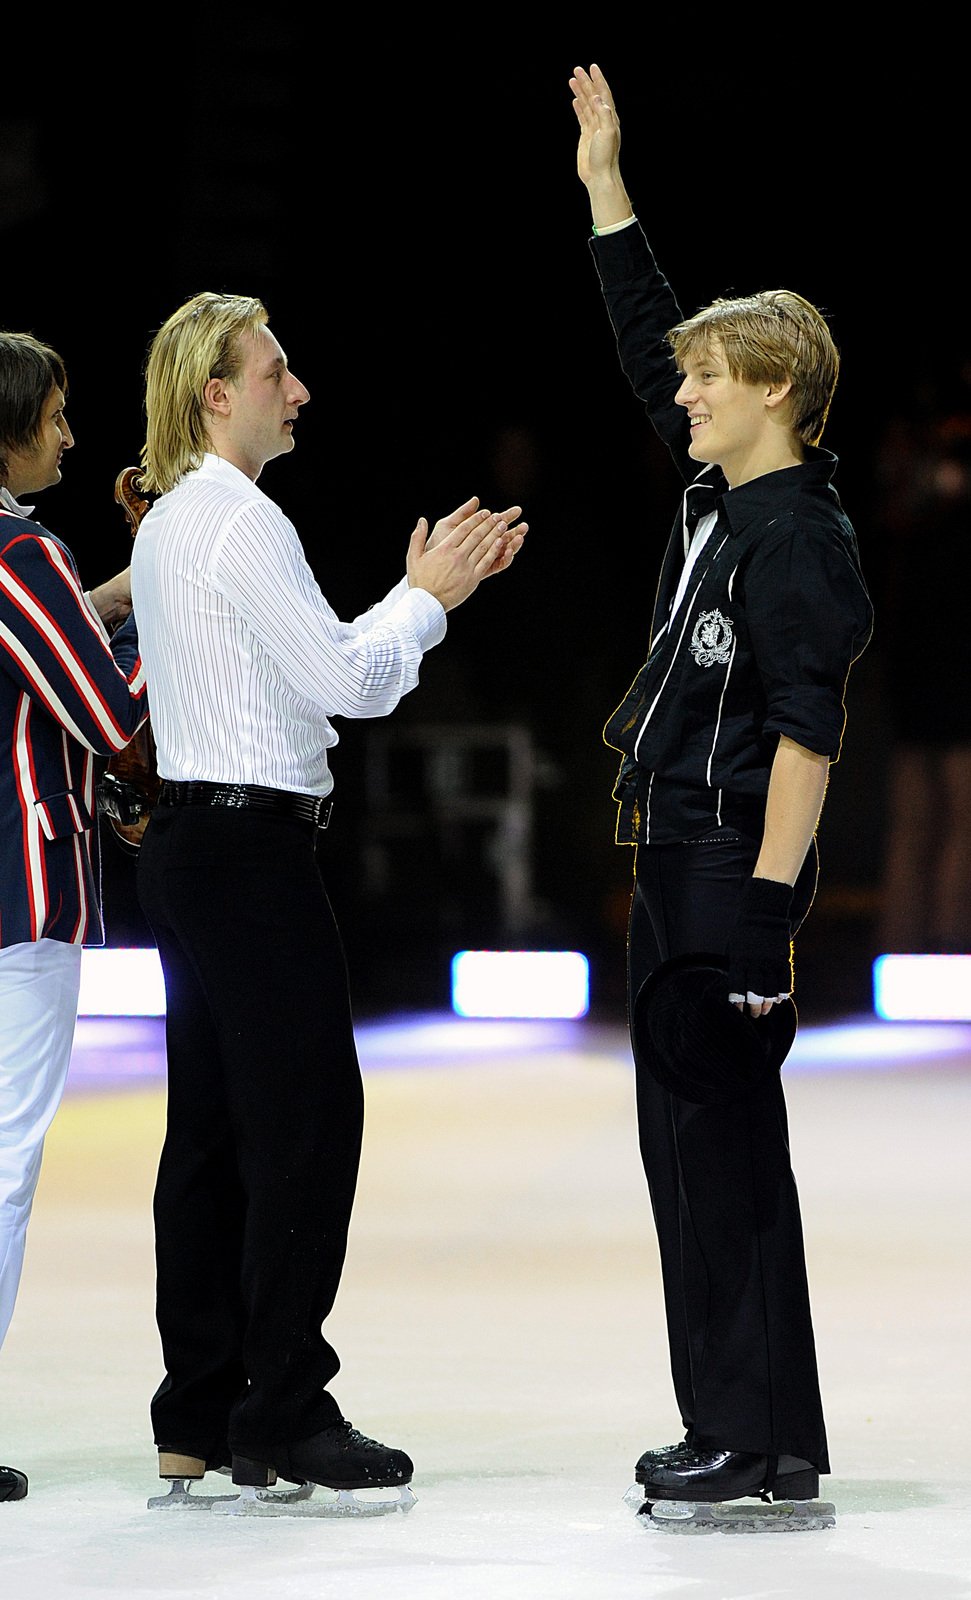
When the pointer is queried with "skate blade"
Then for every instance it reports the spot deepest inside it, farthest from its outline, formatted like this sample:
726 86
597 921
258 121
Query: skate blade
180 1494
731 1516
298 1503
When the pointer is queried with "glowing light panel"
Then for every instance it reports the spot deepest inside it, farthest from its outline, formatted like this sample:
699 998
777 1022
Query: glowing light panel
520 983
121 983
922 988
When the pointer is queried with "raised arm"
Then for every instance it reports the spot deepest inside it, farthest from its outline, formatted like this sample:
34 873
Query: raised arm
640 302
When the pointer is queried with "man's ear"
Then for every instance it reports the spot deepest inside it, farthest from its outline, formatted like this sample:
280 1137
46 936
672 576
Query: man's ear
776 393
217 397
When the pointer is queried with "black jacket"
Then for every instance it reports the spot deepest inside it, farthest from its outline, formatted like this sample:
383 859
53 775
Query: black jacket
775 611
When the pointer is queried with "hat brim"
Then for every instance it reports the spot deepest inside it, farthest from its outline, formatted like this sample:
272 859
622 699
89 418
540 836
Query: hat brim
699 1046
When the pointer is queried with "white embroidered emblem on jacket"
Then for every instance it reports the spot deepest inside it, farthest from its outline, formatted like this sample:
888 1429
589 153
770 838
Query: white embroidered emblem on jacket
711 641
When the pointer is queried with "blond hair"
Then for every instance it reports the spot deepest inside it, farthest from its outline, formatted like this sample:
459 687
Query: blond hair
201 340
769 337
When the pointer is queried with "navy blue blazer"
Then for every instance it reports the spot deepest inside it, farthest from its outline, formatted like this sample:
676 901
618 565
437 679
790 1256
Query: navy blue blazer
67 695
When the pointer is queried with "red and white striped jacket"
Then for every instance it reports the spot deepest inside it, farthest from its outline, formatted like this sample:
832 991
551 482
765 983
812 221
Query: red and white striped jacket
67 695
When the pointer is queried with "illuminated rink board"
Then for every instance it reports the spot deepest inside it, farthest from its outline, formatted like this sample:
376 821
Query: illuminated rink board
485 983
520 983
540 984
121 983
922 988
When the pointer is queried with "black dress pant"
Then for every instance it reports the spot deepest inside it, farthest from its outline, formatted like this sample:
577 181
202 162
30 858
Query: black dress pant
722 1190
265 1114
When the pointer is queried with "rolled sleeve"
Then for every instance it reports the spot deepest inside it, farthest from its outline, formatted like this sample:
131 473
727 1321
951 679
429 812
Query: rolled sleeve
809 617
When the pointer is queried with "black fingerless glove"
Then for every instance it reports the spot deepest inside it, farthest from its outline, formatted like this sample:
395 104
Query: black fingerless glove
760 948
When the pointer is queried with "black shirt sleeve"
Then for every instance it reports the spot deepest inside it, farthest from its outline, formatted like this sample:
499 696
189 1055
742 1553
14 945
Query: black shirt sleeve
809 617
643 309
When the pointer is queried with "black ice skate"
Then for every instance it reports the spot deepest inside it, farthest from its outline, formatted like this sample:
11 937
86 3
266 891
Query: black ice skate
660 1455
13 1484
702 1491
367 1478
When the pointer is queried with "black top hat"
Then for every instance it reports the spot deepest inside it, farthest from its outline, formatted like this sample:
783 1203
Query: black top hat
696 1043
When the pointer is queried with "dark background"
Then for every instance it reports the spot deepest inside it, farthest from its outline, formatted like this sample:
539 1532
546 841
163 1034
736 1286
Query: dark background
408 209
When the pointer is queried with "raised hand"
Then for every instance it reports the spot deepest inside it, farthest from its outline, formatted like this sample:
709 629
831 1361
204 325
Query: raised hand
598 152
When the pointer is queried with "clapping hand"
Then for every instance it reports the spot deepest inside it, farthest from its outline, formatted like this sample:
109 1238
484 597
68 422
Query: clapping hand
463 548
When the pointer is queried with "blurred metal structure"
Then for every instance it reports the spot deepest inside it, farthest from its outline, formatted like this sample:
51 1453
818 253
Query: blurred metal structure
449 816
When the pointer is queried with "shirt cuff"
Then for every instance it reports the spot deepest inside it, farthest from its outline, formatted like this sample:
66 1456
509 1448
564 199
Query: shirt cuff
614 227
422 615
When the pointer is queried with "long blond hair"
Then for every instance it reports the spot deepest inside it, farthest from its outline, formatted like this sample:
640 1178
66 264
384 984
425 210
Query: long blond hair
201 340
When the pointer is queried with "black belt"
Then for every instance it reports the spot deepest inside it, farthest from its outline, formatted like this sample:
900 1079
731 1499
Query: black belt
249 797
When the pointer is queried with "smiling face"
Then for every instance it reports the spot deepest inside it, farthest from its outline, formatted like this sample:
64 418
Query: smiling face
739 426
37 465
253 415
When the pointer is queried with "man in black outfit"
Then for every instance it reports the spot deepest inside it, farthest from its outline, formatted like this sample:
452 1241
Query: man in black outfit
726 736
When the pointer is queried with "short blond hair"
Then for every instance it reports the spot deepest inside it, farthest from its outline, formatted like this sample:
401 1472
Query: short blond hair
769 337
201 340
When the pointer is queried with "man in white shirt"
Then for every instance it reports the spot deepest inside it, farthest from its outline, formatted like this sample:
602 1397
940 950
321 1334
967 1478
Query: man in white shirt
247 664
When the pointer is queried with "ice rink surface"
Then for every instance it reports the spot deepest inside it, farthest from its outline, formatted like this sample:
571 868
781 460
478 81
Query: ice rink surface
500 1318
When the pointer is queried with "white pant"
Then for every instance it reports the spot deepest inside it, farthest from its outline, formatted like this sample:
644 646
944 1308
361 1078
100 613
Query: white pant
39 986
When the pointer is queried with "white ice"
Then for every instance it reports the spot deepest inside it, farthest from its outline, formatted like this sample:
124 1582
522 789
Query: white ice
500 1318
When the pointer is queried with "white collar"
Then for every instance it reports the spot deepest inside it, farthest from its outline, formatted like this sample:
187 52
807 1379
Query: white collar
213 466
10 504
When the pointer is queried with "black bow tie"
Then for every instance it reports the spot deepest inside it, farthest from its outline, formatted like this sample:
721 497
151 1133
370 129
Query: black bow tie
697 504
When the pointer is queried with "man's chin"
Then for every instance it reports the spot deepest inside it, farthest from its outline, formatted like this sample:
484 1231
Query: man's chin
47 484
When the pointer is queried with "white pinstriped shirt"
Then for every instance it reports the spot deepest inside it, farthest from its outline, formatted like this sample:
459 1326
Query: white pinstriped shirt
246 662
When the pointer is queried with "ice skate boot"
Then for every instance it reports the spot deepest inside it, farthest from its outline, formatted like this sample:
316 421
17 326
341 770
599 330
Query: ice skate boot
660 1456
702 1489
358 1470
181 1470
13 1484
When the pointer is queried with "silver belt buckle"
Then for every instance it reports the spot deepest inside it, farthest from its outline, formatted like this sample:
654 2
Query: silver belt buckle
231 794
